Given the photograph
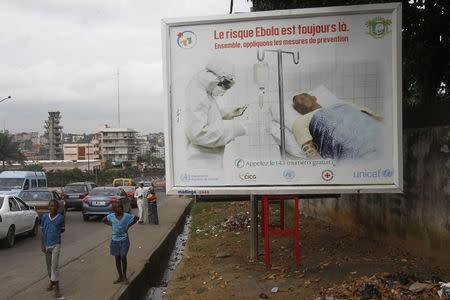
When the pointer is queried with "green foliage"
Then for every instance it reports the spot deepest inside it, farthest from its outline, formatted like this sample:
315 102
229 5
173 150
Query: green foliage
425 57
61 177
9 150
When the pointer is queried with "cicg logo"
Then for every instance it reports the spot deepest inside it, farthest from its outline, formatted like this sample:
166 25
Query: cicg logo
247 176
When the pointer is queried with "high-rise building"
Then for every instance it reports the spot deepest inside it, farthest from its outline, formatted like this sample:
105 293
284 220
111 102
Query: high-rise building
54 132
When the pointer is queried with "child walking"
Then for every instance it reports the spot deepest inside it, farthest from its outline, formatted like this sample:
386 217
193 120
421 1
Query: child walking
52 226
120 243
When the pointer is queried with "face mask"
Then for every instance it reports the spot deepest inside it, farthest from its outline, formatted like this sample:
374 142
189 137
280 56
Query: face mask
218 91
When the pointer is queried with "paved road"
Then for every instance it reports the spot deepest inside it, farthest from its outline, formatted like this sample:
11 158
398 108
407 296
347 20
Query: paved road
24 264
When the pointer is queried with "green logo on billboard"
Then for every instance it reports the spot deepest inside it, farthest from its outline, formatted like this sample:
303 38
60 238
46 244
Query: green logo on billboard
239 163
378 27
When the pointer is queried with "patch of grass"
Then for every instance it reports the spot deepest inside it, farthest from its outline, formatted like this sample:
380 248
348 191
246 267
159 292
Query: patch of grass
205 214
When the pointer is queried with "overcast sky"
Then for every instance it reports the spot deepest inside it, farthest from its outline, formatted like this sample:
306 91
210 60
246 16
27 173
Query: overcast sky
64 55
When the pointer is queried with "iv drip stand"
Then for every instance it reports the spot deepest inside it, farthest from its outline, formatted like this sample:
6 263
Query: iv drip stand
296 59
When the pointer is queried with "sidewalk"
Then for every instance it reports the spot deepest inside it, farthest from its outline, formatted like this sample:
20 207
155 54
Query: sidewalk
91 275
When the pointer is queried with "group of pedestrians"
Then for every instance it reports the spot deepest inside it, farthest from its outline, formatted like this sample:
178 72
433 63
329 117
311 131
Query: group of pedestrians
53 224
144 198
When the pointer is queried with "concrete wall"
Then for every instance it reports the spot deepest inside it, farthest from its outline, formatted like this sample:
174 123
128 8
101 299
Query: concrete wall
420 217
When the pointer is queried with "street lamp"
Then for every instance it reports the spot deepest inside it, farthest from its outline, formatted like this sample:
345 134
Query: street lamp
9 97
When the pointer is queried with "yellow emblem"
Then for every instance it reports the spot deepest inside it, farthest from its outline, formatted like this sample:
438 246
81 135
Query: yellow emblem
379 27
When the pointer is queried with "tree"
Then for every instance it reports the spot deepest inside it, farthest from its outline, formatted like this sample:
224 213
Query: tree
9 150
426 48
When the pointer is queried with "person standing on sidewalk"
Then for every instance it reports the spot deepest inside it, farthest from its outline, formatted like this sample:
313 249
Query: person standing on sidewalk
141 198
52 225
120 242
153 216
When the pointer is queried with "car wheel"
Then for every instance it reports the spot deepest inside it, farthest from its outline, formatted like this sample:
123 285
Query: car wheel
85 218
34 231
10 237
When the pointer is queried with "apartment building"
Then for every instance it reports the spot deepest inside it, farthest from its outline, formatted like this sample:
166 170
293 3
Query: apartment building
119 145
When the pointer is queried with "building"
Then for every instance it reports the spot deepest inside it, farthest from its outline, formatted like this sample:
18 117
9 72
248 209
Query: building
159 152
80 152
54 132
119 145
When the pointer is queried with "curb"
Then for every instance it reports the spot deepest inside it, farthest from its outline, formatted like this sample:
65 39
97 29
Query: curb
153 270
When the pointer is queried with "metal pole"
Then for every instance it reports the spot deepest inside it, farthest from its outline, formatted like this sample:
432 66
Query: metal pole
118 98
88 159
254 228
281 95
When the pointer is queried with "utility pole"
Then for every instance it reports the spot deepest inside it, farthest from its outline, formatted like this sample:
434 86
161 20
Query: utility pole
118 97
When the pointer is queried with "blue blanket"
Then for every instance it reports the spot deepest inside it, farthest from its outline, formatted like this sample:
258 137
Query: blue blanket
341 131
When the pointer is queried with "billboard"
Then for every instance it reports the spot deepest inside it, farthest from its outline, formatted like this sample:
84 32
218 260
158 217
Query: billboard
294 101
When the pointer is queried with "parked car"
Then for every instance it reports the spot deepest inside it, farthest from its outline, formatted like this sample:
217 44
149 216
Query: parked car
122 182
39 199
129 189
16 218
99 201
13 182
74 193
149 185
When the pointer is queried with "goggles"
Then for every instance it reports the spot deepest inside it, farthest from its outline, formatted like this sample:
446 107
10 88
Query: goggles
224 82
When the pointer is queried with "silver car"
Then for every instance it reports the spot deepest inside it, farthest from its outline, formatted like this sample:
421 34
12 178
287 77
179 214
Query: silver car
40 199
16 218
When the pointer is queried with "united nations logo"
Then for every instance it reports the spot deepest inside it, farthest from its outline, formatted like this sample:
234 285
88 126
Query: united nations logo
378 27
239 163
289 174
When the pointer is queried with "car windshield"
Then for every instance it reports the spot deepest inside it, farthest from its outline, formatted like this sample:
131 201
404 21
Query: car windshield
35 196
104 192
75 189
118 183
11 183
128 189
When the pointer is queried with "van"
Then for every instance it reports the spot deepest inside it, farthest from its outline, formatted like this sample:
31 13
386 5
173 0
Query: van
13 182
122 181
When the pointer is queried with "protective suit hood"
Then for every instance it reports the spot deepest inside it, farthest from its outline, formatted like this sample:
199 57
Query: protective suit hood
221 67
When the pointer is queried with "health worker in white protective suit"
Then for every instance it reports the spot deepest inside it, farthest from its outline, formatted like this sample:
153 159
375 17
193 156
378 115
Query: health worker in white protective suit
209 128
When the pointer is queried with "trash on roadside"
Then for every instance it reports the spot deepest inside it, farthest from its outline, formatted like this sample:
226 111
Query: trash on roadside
274 289
369 291
418 287
223 255
263 296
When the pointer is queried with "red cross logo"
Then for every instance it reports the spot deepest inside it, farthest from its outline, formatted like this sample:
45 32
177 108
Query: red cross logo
327 175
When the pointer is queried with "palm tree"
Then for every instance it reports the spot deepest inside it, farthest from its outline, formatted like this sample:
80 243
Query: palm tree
9 150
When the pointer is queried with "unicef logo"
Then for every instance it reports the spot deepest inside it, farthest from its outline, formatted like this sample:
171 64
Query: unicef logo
186 39
239 163
289 174
387 173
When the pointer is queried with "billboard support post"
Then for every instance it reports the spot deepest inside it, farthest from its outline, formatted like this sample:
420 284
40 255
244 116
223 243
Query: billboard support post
254 228
268 229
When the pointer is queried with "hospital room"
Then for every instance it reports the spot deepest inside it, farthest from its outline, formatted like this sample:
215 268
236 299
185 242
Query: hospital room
357 82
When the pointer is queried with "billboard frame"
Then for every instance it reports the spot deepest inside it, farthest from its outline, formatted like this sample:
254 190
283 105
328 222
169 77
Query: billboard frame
396 187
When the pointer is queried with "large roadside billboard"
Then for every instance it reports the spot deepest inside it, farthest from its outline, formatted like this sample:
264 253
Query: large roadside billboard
295 101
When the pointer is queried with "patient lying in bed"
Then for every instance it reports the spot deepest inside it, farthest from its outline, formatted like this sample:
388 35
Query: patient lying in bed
340 131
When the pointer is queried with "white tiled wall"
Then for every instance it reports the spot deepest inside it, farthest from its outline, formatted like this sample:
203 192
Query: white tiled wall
356 82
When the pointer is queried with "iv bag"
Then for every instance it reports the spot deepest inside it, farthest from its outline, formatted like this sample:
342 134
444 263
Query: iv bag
261 78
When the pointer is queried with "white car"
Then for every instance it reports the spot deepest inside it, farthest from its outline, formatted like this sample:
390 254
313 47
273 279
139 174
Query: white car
16 218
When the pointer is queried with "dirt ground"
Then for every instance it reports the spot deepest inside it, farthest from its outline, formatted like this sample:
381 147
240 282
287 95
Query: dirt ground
334 263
